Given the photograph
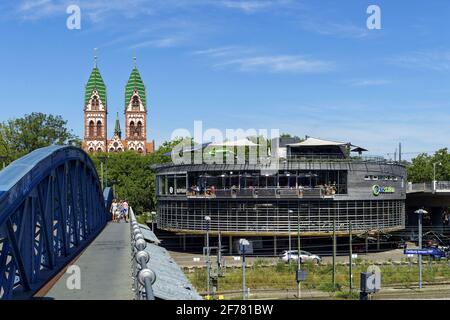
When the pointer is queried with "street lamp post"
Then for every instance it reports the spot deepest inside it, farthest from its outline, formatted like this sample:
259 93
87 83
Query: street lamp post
103 159
113 183
153 213
243 244
208 262
420 214
289 230
299 268
102 178
350 255
334 253
106 172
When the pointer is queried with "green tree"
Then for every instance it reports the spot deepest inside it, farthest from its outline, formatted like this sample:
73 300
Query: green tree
22 135
288 135
134 175
421 167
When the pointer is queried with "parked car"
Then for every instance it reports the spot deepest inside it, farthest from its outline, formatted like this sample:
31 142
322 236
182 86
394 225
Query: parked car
292 256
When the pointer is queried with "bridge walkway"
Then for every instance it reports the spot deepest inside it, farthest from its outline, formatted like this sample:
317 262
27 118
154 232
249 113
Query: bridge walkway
105 269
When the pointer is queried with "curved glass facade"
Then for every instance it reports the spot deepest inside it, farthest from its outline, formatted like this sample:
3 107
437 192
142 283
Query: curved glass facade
242 200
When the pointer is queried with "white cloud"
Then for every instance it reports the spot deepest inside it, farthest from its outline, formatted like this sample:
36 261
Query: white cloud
250 6
224 51
279 63
248 59
368 82
437 60
95 10
34 10
341 30
30 5
166 42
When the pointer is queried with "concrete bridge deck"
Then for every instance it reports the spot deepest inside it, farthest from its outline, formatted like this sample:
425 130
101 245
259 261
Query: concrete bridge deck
105 269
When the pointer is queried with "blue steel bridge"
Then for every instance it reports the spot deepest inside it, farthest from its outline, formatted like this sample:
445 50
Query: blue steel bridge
54 217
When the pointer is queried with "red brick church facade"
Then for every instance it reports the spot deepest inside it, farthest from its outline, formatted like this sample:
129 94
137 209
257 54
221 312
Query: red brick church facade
96 112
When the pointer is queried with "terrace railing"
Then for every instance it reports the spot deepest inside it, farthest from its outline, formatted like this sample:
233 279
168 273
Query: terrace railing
334 158
307 193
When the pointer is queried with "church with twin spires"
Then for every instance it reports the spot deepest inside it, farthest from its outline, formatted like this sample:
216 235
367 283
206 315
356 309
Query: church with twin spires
96 116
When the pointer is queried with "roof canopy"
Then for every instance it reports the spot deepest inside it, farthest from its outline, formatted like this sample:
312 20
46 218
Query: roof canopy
189 148
359 149
234 143
314 142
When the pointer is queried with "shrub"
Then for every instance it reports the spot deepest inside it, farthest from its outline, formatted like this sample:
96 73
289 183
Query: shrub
328 287
347 295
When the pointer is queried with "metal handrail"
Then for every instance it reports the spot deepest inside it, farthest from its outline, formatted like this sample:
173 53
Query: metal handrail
438 186
143 277
51 209
442 185
280 192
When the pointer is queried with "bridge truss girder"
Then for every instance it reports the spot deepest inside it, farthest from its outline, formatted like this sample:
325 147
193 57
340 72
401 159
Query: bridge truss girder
46 226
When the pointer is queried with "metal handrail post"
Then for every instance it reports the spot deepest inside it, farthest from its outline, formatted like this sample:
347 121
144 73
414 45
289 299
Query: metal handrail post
143 277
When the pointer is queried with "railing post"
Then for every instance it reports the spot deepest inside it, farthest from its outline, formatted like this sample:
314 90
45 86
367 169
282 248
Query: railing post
143 277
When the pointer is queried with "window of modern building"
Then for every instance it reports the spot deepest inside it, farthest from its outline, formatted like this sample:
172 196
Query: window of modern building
180 183
171 185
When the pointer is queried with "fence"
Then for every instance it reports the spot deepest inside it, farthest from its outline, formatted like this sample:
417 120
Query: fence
143 278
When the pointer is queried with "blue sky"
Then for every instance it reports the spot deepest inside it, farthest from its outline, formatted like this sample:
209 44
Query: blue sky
305 67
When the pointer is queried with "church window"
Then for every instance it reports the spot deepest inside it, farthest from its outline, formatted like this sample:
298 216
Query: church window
135 103
139 129
91 129
132 128
99 128
95 103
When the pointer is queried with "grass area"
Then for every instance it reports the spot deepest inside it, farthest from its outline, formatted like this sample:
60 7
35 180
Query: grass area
142 218
282 276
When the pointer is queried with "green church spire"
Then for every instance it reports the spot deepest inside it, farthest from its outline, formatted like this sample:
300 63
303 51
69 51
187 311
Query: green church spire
117 130
95 82
135 83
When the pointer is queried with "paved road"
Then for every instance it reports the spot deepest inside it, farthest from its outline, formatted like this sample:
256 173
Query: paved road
105 268
185 259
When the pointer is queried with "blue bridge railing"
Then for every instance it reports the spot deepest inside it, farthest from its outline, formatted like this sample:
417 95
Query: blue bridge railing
51 207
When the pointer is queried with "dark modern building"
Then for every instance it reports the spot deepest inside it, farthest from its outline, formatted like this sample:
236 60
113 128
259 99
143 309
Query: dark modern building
318 183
